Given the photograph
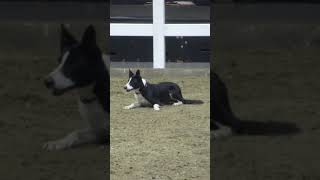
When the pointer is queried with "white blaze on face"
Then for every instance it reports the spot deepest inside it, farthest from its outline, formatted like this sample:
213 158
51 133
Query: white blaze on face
128 86
60 80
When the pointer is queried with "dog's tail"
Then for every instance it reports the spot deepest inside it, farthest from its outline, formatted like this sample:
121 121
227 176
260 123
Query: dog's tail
265 128
188 101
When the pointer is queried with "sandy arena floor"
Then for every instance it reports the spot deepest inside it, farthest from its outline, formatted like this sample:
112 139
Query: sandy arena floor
271 84
30 116
170 144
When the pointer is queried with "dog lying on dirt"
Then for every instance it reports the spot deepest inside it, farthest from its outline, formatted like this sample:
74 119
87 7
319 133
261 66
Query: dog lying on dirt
224 123
155 95
82 69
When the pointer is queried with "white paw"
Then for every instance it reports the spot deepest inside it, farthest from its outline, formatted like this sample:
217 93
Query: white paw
56 145
129 106
156 107
221 133
177 103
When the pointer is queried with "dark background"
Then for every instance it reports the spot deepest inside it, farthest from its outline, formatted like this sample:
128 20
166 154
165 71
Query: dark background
30 115
198 2
268 56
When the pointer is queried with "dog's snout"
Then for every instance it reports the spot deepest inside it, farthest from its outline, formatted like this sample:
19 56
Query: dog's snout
49 83
124 87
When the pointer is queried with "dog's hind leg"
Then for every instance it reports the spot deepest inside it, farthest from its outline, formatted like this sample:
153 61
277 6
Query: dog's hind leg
79 137
176 96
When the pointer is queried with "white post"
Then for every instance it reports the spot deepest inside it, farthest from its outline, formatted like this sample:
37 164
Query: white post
159 50
159 30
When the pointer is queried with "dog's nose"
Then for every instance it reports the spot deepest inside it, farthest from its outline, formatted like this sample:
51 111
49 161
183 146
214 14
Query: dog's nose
124 87
49 82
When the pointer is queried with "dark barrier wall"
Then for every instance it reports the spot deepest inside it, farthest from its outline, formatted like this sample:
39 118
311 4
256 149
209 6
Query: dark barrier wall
56 0
178 49
266 25
268 56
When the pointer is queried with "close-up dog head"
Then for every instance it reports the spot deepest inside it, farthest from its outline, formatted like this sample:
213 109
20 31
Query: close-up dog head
78 62
135 81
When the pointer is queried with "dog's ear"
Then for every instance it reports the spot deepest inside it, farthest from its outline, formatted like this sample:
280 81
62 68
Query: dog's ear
130 73
89 37
66 39
138 72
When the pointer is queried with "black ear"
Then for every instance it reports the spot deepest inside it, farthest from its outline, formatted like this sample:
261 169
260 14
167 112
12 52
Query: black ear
130 73
138 72
89 37
66 39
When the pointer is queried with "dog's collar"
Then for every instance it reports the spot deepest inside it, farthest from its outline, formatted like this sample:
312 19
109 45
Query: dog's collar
88 100
137 92
140 89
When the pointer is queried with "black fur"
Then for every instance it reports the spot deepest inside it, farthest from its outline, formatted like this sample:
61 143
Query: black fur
82 67
85 65
221 113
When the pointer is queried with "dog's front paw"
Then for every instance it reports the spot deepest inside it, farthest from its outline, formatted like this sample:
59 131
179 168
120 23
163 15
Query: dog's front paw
133 105
156 107
127 107
220 134
56 145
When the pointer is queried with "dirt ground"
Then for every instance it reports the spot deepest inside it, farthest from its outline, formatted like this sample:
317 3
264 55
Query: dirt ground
30 116
271 84
170 144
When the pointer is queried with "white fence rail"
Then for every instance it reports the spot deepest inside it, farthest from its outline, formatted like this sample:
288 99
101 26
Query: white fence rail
159 30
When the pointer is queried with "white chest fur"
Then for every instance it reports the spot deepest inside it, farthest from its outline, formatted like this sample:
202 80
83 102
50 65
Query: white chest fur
94 114
141 100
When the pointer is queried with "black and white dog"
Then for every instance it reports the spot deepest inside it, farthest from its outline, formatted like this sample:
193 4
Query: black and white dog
154 95
82 68
223 122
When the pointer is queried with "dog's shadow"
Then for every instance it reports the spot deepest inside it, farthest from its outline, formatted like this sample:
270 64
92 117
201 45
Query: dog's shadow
267 128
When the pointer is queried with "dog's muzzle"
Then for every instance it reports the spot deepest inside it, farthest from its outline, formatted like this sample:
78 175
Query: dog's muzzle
50 84
125 88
